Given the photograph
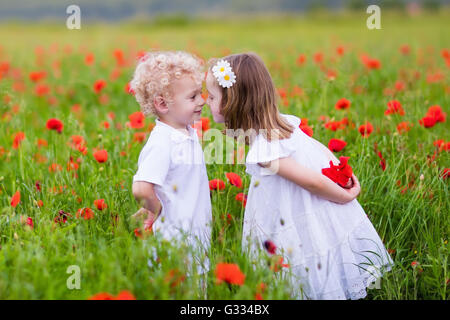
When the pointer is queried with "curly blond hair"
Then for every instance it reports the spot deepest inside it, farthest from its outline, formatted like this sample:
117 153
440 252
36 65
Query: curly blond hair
155 72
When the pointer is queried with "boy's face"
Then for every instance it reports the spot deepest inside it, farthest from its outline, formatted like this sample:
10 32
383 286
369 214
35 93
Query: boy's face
214 97
187 104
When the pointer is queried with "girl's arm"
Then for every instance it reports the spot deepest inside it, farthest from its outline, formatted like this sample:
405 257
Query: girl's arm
312 181
144 192
326 151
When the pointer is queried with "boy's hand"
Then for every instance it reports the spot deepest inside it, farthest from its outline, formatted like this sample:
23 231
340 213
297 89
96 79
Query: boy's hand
142 214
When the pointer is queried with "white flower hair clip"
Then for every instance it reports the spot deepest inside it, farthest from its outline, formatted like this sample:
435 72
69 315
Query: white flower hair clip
223 73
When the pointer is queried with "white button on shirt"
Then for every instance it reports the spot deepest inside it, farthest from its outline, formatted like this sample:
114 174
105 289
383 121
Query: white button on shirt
174 163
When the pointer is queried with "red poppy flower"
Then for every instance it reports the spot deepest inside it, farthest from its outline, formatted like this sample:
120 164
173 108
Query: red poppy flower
18 139
174 277
125 295
404 127
54 167
230 273
340 173
318 57
270 246
445 53
216 184
41 90
370 63
394 107
437 113
42 143
89 59
72 165
205 124
336 145
62 217
147 230
101 296
301 59
399 85
55 124
15 200
405 49
85 213
120 59
30 222
306 129
100 204
365 129
427 121
342 104
37 76
99 85
445 173
242 198
139 137
101 155
234 179
336 125
4 67
137 120
276 263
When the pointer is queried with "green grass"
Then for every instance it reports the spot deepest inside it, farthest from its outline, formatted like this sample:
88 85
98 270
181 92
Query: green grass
33 263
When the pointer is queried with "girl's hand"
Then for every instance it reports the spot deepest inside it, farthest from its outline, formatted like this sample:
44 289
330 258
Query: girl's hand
349 184
354 191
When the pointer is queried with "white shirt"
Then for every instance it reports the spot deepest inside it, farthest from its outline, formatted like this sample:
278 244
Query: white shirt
174 163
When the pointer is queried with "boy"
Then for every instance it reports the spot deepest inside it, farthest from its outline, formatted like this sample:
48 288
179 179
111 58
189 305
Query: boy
171 179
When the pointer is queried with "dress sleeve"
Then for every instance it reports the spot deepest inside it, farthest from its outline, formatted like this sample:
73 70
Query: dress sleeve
264 151
153 163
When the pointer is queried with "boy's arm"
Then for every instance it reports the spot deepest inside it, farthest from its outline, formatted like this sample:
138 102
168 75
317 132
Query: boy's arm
312 181
144 192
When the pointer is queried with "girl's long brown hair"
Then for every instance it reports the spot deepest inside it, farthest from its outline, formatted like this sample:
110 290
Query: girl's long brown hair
251 102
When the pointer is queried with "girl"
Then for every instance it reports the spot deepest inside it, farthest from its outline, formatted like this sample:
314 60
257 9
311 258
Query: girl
292 209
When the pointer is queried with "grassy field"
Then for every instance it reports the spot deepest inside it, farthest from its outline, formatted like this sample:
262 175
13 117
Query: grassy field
407 202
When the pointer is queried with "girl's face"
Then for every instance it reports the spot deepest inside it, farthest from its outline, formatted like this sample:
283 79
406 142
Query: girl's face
214 97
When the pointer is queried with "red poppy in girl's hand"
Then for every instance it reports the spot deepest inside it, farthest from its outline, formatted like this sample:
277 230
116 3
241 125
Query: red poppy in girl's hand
341 173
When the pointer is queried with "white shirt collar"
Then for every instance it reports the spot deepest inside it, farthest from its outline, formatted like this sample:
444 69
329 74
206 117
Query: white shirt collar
176 135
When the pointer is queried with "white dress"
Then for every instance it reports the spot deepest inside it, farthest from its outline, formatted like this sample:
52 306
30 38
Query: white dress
333 250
